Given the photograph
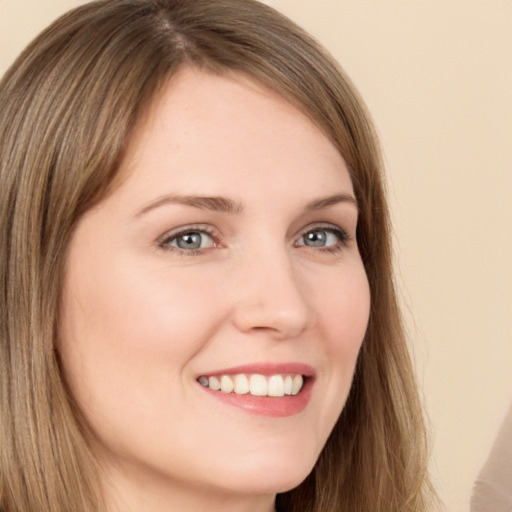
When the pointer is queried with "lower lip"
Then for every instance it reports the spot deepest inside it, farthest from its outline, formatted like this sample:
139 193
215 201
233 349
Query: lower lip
275 407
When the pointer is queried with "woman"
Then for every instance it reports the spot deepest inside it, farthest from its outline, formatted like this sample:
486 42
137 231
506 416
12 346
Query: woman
198 307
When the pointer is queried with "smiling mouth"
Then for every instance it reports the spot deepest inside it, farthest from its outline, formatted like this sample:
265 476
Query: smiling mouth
255 384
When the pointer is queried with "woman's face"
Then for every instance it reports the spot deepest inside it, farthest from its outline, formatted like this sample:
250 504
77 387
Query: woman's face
226 256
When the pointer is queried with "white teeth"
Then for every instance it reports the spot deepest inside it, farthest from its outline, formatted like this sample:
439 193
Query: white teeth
226 384
288 382
214 383
241 384
255 384
276 386
258 385
297 384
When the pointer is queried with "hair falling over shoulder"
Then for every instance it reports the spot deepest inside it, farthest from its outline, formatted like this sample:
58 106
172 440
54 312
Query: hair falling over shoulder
67 108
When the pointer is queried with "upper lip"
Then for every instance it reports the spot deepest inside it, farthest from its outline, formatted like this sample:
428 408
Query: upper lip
265 368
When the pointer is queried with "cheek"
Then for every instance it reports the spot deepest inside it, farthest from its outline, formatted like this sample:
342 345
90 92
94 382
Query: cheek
127 336
344 314
134 308
131 332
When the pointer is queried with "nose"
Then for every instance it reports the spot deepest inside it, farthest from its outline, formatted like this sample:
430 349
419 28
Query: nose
272 299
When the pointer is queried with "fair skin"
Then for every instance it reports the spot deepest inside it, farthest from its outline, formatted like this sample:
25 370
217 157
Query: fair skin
163 290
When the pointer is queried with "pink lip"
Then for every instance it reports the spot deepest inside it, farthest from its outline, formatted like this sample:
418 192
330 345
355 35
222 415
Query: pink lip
276 407
266 369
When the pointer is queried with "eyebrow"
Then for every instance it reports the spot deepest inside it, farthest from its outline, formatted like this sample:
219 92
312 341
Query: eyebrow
226 205
214 204
326 202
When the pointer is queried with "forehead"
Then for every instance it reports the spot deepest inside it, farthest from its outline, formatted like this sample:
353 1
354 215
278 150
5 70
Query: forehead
227 130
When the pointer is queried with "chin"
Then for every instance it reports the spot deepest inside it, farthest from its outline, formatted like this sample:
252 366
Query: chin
261 484
271 475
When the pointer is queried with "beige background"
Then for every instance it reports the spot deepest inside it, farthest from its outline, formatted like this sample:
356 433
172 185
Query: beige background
437 76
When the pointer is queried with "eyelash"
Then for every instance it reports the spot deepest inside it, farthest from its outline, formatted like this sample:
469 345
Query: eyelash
164 242
343 238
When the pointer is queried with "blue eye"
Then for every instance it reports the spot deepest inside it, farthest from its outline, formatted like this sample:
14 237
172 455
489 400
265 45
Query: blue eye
323 238
189 241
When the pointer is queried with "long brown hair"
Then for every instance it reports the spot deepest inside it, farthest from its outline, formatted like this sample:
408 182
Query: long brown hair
67 108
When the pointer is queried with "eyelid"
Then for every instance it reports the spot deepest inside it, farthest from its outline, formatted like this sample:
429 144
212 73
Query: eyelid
342 234
162 241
